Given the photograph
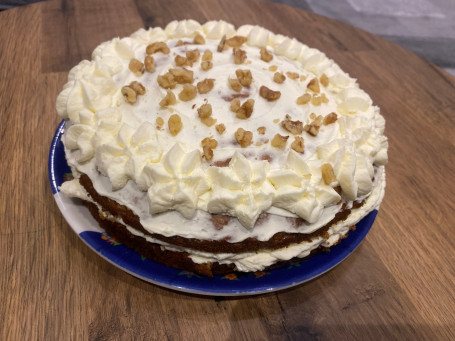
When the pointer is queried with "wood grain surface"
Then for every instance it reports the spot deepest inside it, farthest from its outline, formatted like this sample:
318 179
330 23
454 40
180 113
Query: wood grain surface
399 284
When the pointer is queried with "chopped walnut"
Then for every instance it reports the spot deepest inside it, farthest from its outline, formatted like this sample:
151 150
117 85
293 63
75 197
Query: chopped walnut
208 55
294 127
198 39
276 120
212 143
137 87
304 99
330 118
207 152
265 55
220 46
292 75
205 110
236 41
316 100
235 85
129 94
220 128
279 141
181 61
243 111
302 78
188 93
136 67
298 145
206 65
208 121
324 80
179 42
182 75
269 94
149 63
239 55
169 99
159 121
314 126
312 116
157 47
328 174
175 124
324 98
192 56
206 85
261 130
273 68
244 76
313 85
279 78
167 81
244 137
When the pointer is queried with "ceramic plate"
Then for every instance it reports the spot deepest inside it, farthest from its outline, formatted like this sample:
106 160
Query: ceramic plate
80 220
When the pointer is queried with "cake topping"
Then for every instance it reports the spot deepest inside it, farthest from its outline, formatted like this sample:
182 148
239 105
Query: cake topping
175 124
261 130
244 137
169 99
198 39
243 111
129 94
239 55
235 85
220 46
298 144
188 93
206 85
313 85
268 94
279 78
157 47
236 41
167 81
279 141
292 75
294 127
328 174
324 80
265 55
330 118
244 76
304 99
220 128
206 65
149 63
208 55
136 67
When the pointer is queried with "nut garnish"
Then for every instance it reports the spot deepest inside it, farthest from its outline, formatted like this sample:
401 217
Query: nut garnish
313 127
316 100
167 81
206 65
273 68
292 75
175 124
208 121
207 152
149 63
294 127
220 46
313 85
198 39
220 128
159 122
136 67
205 110
181 61
244 137
129 94
192 56
324 80
212 143
269 94
243 111
265 55
188 93
206 85
328 174
261 130
137 87
236 41
304 99
182 75
235 85
279 141
239 55
298 144
179 42
330 118
169 99
157 47
244 76
207 55
279 78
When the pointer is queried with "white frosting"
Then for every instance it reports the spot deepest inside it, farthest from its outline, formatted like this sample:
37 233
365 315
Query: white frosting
165 181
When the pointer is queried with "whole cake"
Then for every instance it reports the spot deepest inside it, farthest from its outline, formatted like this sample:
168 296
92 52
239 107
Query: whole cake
214 150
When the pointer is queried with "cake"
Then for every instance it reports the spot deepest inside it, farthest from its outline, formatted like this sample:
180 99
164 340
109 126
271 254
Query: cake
213 149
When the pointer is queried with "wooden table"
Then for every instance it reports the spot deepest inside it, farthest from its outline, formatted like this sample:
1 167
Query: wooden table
399 284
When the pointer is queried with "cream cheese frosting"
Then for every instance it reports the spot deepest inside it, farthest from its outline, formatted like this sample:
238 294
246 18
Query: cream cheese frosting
165 180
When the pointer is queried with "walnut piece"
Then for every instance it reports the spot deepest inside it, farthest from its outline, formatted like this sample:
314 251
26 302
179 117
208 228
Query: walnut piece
167 81
273 68
261 130
243 111
208 141
330 118
239 55
235 85
235 105
188 93
149 63
208 121
279 141
292 75
159 122
206 65
314 126
175 124
198 39
324 80
244 137
182 75
207 152
205 110
269 94
220 128
220 46
137 87
136 67
294 127
313 85
192 56
298 144
129 94
169 99
181 61
265 55
236 41
159 46
205 86
328 174
208 55
304 99
316 100
244 76
279 78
